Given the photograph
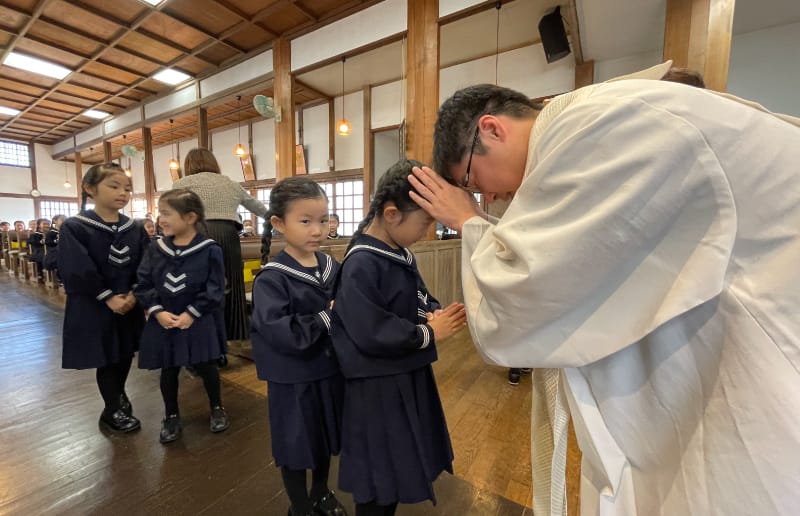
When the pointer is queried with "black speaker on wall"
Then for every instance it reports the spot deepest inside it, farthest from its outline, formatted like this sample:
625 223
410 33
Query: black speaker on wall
554 36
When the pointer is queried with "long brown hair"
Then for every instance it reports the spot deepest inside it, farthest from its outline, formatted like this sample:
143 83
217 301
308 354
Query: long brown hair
200 160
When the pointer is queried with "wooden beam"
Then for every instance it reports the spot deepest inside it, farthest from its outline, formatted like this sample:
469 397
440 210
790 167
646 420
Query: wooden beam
202 127
574 32
149 169
79 177
697 35
283 92
107 157
331 136
369 172
37 203
422 79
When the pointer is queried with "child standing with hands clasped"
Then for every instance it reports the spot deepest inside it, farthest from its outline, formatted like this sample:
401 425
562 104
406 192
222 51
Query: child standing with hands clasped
98 253
395 441
292 346
182 287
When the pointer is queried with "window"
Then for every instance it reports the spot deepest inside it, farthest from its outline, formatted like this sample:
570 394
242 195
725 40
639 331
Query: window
49 209
263 196
14 154
346 199
138 208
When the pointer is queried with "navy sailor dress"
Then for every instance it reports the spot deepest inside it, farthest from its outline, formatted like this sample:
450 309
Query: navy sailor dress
395 441
96 260
179 279
293 353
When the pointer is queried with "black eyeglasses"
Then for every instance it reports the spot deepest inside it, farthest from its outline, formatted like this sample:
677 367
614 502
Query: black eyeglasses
465 183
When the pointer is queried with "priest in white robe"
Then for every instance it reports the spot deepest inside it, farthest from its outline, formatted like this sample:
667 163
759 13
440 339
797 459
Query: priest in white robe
647 265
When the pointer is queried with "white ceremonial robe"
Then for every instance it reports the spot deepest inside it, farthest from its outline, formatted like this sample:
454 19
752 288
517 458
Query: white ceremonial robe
648 259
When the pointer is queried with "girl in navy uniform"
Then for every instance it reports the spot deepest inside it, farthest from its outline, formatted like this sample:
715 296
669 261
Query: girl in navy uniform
51 244
98 253
181 287
292 346
36 244
395 441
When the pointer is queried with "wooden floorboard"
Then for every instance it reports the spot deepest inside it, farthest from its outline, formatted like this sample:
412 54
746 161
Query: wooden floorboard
54 458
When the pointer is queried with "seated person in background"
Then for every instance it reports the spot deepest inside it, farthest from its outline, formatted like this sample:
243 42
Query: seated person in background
51 244
5 226
36 244
247 229
150 228
32 225
19 226
333 226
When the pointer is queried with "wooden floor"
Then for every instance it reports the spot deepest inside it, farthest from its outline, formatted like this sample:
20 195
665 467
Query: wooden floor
54 459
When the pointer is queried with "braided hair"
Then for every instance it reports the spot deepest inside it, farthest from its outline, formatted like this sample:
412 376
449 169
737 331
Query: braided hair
94 176
393 187
282 195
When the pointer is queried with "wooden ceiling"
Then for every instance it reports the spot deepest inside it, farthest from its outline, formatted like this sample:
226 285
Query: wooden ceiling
114 47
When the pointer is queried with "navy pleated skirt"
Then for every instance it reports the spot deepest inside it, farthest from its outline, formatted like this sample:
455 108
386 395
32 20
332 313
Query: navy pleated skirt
304 420
395 441
202 342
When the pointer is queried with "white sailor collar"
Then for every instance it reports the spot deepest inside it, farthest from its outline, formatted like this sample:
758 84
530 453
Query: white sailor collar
381 248
284 263
166 246
90 218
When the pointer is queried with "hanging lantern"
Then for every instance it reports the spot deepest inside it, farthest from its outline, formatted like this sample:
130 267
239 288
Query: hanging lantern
343 125
239 150
173 164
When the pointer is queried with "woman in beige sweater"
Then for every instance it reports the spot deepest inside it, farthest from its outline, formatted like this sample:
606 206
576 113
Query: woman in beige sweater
221 198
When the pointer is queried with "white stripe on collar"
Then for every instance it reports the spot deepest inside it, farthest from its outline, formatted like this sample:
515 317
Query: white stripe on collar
328 268
162 244
290 270
112 229
409 259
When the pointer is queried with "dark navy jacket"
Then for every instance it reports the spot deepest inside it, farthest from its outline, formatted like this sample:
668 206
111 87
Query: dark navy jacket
291 320
36 245
51 244
379 313
190 278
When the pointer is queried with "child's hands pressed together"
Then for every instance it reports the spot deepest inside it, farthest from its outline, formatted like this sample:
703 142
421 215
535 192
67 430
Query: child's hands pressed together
448 321
130 302
167 320
184 321
117 304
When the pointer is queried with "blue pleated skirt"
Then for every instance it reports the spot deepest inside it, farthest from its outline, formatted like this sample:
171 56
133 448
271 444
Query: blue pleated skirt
304 420
395 441
202 342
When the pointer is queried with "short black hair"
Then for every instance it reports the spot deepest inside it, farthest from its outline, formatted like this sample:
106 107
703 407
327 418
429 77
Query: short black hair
333 216
280 197
459 116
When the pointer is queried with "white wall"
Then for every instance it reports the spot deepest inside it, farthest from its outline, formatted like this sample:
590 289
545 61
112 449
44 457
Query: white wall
223 143
386 153
263 150
350 149
605 70
316 135
12 209
15 179
137 173
765 67
161 156
524 69
50 174
387 104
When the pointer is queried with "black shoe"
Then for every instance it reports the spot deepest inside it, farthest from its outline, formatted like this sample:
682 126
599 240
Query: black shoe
218 422
119 421
170 429
328 505
513 377
222 361
125 404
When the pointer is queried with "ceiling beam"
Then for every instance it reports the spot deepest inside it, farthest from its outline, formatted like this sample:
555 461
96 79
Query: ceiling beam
574 31
37 12
243 17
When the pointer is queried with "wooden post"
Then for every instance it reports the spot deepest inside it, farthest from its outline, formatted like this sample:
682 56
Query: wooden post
697 35
107 157
37 202
584 74
149 169
422 80
331 136
369 173
202 127
79 177
284 130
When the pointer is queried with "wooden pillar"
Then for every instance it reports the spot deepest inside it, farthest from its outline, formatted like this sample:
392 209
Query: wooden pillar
697 35
369 173
149 169
283 93
202 127
107 157
584 74
79 177
331 136
422 82
37 202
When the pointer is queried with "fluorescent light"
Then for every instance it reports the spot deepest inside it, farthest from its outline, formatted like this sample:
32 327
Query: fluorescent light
8 111
34 65
170 76
93 113
153 2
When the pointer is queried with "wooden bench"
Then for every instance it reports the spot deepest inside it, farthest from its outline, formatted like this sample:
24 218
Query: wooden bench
18 253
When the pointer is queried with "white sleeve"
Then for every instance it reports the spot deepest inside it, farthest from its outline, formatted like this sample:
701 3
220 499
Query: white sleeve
625 221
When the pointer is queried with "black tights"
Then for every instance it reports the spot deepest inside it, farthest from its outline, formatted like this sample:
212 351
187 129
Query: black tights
169 385
295 482
373 509
111 382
